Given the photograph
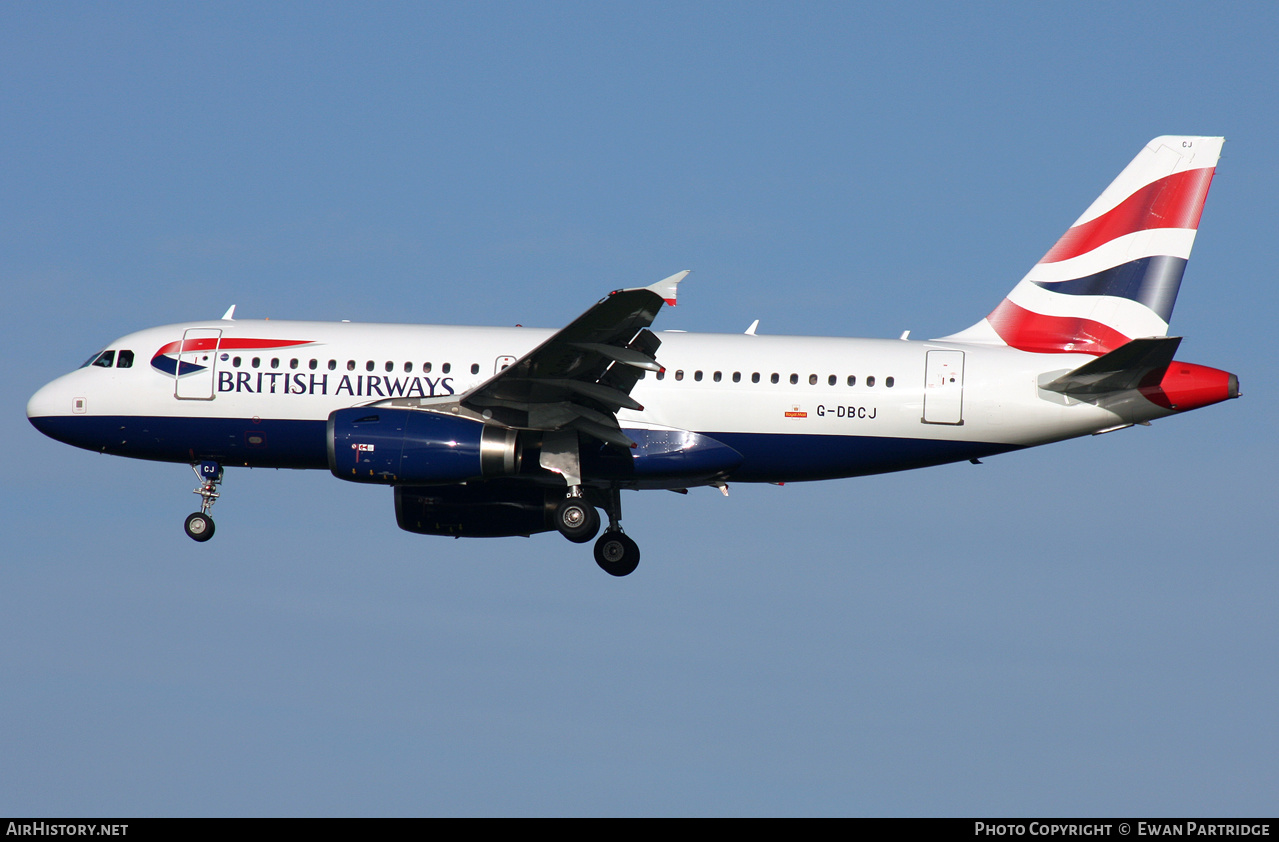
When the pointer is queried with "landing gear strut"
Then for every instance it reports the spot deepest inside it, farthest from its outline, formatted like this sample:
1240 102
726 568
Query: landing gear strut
615 553
576 517
199 526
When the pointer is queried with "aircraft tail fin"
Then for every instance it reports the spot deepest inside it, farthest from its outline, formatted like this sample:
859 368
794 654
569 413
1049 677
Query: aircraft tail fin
1114 275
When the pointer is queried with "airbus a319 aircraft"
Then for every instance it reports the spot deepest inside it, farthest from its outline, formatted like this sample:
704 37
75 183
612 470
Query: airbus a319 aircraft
490 432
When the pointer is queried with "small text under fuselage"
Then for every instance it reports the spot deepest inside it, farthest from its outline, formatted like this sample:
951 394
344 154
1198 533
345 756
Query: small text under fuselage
359 385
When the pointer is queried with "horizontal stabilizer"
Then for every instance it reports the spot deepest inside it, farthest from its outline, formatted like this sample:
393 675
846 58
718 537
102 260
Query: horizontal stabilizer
1120 370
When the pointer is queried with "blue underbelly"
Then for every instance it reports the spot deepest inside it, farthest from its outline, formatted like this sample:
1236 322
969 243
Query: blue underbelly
295 443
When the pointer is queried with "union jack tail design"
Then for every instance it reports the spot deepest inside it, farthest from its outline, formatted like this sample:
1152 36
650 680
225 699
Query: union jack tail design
1114 275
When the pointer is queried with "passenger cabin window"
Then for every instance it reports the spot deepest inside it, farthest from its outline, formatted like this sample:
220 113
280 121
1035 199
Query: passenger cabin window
794 378
812 380
446 368
475 368
408 367
852 380
333 364
256 361
235 361
350 365
293 363
697 375
106 359
888 382
830 381
368 366
313 364
755 377
870 381
124 360
426 368
661 375
390 366
275 362
737 377
718 376
679 374
775 378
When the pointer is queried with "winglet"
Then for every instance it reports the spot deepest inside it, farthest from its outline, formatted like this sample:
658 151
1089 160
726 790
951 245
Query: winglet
666 287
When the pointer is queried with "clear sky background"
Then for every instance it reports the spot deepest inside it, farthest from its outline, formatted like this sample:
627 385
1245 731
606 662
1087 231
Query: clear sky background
1085 628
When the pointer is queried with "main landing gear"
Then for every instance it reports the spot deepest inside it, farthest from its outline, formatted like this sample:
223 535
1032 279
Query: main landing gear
616 554
578 520
199 526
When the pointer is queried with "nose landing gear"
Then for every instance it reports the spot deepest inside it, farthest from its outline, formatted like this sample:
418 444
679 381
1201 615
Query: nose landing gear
199 526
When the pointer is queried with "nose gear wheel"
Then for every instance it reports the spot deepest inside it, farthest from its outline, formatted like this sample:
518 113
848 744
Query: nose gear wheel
199 526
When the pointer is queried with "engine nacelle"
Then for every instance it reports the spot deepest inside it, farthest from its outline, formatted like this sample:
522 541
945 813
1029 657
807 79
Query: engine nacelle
407 446
483 510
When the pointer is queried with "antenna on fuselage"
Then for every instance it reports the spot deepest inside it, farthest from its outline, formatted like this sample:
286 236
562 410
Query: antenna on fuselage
750 331
229 315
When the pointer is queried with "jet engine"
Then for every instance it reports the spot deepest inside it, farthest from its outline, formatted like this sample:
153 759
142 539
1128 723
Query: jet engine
391 446
483 510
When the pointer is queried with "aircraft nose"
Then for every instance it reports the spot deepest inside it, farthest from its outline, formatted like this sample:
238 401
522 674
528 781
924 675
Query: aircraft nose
49 402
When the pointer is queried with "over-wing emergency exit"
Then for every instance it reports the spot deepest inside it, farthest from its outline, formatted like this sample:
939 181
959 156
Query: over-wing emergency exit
493 432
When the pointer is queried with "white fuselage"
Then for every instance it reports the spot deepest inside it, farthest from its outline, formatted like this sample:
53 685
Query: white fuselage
795 407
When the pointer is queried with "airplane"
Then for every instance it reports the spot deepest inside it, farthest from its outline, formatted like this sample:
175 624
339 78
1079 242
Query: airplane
506 431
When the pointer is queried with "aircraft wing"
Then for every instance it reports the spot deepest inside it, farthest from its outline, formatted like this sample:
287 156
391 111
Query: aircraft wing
580 377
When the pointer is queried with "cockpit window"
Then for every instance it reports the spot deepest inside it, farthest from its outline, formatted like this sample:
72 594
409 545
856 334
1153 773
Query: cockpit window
105 359
124 360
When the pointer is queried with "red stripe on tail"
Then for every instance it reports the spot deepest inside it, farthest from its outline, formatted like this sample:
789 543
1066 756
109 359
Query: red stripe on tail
1040 334
1176 201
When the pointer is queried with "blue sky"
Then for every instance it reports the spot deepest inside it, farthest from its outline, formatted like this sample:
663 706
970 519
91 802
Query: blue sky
1086 628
